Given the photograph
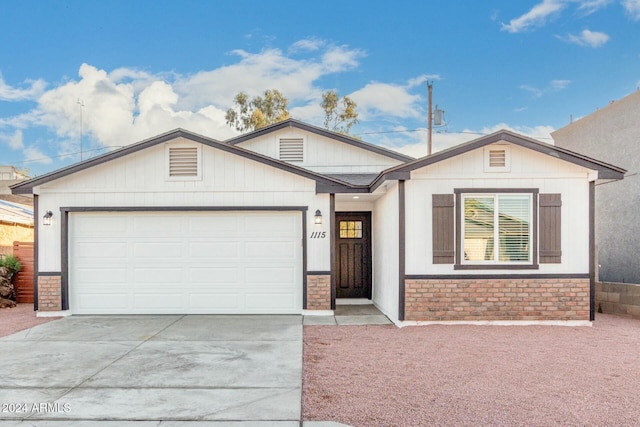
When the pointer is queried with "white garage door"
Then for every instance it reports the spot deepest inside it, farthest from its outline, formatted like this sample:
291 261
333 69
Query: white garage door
185 262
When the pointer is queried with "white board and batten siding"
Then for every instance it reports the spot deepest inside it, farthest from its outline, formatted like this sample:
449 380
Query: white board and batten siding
385 247
227 180
322 154
528 170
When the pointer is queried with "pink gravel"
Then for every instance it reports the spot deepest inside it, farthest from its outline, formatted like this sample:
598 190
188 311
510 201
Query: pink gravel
370 376
18 318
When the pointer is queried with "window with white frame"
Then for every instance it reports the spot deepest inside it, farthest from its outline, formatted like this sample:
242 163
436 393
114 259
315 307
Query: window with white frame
497 228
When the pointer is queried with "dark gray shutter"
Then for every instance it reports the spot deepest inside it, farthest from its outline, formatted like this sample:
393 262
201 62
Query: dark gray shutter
550 229
443 228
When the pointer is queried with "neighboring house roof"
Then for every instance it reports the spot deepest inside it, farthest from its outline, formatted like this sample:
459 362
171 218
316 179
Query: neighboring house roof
23 199
292 123
15 213
325 182
605 170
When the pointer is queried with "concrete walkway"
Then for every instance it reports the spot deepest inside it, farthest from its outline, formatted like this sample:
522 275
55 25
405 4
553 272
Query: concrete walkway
148 369
365 314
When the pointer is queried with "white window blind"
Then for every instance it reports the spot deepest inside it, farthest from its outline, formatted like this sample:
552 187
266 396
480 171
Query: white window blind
505 219
292 150
183 161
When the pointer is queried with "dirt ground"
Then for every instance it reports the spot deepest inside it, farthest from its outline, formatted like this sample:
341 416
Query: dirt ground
370 376
18 318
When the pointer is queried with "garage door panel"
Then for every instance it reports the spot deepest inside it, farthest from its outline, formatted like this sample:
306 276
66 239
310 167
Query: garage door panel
157 276
189 262
220 302
271 250
270 275
225 225
157 249
100 275
149 226
99 249
267 224
212 276
167 302
102 303
109 225
276 302
214 250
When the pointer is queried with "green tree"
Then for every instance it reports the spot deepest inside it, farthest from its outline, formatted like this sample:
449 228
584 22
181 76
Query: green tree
251 114
339 113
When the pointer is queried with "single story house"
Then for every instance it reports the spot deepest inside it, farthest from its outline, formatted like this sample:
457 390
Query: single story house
289 218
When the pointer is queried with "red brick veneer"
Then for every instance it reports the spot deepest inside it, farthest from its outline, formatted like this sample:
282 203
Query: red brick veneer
319 292
496 299
49 293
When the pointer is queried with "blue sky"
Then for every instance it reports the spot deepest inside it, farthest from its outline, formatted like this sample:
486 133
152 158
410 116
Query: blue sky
144 67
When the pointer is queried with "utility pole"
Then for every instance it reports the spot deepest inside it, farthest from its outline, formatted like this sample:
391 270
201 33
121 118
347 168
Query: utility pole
430 118
81 104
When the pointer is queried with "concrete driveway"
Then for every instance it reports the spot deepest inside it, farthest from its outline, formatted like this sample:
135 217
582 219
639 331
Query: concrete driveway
152 368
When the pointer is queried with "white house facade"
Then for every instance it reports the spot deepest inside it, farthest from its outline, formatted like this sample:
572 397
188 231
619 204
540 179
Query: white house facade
290 218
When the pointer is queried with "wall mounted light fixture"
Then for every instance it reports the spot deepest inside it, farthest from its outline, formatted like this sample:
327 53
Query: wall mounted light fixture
46 219
318 217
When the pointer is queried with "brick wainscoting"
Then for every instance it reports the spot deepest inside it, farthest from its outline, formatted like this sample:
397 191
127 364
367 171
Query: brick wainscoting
319 292
496 299
49 293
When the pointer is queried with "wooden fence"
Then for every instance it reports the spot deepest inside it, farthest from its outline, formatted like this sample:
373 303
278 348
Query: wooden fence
23 282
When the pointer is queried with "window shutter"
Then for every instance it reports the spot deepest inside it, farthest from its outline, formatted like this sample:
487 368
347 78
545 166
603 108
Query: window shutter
183 161
549 230
291 150
443 228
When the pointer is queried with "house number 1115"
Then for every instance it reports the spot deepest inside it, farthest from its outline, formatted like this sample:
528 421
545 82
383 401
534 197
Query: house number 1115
318 234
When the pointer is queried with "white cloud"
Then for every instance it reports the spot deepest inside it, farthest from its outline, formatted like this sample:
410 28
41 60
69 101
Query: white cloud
255 73
587 7
340 58
307 45
385 99
553 86
588 38
559 84
633 8
15 141
125 105
537 93
417 145
417 81
32 91
34 155
536 17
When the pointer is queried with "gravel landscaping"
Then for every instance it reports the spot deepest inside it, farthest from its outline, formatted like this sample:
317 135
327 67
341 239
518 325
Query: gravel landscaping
18 318
474 375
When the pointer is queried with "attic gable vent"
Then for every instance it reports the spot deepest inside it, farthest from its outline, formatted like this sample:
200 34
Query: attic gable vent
183 162
292 150
497 158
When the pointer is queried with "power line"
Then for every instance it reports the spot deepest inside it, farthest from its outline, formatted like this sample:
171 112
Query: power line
67 154
426 130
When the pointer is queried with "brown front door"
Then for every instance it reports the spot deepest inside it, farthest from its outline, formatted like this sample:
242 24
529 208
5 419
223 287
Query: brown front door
353 254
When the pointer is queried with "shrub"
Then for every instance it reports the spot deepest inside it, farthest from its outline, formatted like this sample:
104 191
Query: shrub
11 263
